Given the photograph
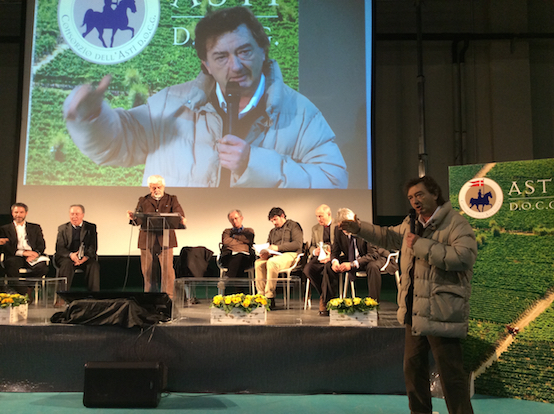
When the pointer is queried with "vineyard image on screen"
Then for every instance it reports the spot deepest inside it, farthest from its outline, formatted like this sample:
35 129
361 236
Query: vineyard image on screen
118 92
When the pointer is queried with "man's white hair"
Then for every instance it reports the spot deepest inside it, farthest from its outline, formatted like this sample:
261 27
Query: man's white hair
155 179
344 214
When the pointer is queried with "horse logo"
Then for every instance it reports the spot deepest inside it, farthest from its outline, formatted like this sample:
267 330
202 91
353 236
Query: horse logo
480 198
130 26
109 19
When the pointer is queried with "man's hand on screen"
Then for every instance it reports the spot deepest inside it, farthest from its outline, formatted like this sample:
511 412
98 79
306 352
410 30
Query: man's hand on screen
87 102
234 153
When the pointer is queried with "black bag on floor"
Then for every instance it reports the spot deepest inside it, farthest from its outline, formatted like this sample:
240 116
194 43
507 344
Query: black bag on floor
122 312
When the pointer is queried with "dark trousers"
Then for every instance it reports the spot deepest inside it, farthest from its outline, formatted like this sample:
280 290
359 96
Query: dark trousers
236 264
12 264
373 270
447 353
317 274
313 270
322 278
66 268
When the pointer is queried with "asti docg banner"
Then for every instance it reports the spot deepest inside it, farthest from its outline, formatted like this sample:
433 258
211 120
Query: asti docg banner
518 195
146 45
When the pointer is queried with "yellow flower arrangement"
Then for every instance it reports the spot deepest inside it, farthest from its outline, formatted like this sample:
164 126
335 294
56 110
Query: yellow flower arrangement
348 305
240 301
12 300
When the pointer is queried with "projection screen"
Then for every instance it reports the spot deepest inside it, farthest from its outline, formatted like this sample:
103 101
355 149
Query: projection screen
323 49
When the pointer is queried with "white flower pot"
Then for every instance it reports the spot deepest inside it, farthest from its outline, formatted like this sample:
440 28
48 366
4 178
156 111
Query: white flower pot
14 314
237 317
368 318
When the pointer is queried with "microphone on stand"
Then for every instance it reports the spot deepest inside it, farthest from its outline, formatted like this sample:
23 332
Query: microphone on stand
232 97
412 221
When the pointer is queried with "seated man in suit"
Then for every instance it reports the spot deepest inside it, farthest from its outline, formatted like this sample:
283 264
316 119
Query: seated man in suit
237 254
322 236
76 247
23 246
286 240
351 254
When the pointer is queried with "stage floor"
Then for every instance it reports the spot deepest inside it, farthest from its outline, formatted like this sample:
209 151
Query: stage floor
199 314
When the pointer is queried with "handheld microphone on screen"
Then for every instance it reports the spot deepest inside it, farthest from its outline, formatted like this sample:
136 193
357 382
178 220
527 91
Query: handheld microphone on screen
232 97
412 221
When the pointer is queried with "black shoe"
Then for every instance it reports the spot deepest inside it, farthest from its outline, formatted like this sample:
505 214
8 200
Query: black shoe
272 305
193 301
324 313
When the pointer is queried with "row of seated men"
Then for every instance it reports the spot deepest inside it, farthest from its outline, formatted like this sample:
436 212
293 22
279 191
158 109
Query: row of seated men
23 246
331 251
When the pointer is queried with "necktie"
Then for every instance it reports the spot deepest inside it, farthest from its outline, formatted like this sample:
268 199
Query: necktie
352 258
326 234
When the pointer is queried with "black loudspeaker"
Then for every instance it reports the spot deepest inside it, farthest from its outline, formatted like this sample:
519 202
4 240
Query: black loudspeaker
124 384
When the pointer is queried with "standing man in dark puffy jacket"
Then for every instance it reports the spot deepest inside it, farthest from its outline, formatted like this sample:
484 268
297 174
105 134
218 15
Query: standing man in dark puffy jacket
437 261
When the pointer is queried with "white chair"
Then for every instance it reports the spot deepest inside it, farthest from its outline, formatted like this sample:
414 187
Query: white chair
393 255
78 271
287 272
223 270
22 272
307 295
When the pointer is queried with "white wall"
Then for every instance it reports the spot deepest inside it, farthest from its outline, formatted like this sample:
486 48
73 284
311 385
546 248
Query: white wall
206 211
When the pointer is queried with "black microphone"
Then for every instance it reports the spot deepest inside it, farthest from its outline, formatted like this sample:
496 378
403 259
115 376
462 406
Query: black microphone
412 221
232 97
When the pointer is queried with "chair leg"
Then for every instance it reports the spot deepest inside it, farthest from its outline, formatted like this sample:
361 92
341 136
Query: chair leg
287 293
345 291
307 300
55 292
252 278
352 289
221 283
36 293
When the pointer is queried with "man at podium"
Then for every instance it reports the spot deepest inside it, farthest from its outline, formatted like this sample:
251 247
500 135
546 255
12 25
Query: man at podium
152 215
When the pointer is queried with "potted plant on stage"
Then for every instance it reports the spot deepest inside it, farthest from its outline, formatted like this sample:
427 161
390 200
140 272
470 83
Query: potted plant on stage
239 309
13 308
353 311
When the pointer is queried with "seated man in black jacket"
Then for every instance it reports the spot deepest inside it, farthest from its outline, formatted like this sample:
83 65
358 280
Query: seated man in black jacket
76 247
23 246
351 254
285 243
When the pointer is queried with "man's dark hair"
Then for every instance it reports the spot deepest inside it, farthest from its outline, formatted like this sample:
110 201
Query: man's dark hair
20 205
430 184
214 24
276 211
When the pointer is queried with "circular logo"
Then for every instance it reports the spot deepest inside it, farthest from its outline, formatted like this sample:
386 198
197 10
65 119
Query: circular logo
481 198
108 31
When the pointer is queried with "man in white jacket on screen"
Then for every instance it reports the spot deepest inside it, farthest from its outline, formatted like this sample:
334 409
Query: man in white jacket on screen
280 139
